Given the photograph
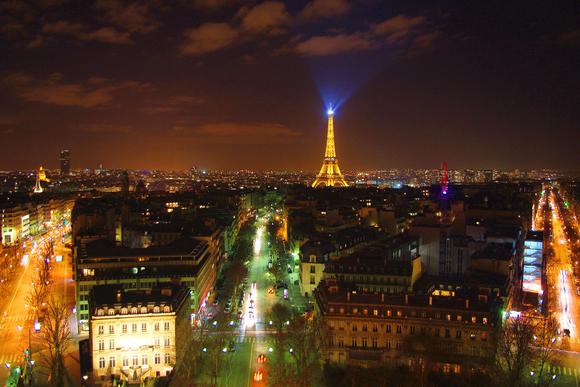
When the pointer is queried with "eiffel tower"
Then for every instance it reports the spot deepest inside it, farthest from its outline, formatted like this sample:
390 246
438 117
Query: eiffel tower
330 175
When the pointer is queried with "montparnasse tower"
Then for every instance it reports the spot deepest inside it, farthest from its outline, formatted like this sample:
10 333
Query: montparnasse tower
330 175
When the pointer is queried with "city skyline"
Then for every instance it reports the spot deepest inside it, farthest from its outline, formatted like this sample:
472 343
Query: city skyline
231 85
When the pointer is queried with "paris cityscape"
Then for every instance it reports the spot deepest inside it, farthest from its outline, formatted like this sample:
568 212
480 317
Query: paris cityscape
269 193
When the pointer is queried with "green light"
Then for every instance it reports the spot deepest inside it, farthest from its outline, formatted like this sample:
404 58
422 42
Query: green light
566 203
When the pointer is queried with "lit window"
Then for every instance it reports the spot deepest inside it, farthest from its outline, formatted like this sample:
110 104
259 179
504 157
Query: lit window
473 319
166 325
111 329
111 312
143 327
143 310
124 311
133 310
156 309
166 309
448 317
485 320
101 329
375 312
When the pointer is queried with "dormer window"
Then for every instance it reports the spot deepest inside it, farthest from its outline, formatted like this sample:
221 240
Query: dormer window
143 310
156 309
133 310
100 312
124 311
166 309
111 312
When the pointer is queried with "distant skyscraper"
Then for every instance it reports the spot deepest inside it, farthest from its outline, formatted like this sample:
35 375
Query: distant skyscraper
65 162
330 175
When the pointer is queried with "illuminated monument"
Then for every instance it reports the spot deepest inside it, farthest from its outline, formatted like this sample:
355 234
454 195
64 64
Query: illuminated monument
330 175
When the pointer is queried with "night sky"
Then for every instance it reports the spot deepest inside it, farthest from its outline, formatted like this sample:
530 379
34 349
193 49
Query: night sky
243 84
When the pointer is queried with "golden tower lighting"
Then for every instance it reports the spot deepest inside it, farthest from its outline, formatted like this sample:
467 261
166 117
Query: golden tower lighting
330 175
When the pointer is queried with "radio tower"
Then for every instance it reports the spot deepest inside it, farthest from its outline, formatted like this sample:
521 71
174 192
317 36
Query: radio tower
444 181
330 175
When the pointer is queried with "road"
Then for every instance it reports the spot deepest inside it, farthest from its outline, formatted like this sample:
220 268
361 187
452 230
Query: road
17 317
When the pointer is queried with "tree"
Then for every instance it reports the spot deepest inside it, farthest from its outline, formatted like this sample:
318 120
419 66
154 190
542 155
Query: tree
514 350
56 338
543 350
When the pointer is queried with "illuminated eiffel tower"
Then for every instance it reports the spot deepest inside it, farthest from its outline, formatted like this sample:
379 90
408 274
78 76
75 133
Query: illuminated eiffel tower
330 175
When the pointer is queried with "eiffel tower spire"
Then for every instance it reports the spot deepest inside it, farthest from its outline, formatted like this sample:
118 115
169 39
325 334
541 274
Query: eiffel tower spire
330 175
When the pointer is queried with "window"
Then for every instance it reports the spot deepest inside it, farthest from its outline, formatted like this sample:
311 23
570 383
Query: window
447 333
485 320
399 329
389 313
144 327
156 309
312 269
133 310
166 309
354 310
125 361
111 343
354 327
388 328
412 329
375 328
375 312
312 280
388 345
144 360
364 328
364 342
111 312
448 317
112 361
124 311
101 345
483 336
353 342
124 328
111 329
423 331
458 334
374 342
167 358
101 362
399 313
101 329
167 342
166 325
398 345
473 319
340 341
157 358
134 328
459 318
135 360
437 332
156 327
143 310
157 341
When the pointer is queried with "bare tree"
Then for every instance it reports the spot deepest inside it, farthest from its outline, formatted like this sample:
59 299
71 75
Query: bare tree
543 350
56 338
514 350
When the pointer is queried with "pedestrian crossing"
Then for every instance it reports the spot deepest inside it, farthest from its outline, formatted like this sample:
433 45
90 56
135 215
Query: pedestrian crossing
567 371
11 358
17 317
250 339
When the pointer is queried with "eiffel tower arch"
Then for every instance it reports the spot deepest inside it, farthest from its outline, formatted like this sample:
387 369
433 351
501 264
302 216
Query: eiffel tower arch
330 175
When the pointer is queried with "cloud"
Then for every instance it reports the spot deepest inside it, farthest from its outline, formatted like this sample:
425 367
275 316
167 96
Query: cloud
107 35
398 27
106 128
334 44
403 32
134 17
208 37
211 5
55 91
570 36
62 27
232 132
325 9
267 17
174 103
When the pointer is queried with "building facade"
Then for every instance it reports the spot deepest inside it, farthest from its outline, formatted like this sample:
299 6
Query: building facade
136 335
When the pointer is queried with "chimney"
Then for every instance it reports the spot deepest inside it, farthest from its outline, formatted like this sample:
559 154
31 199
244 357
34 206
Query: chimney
406 299
382 297
466 304
430 300
119 295
348 296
